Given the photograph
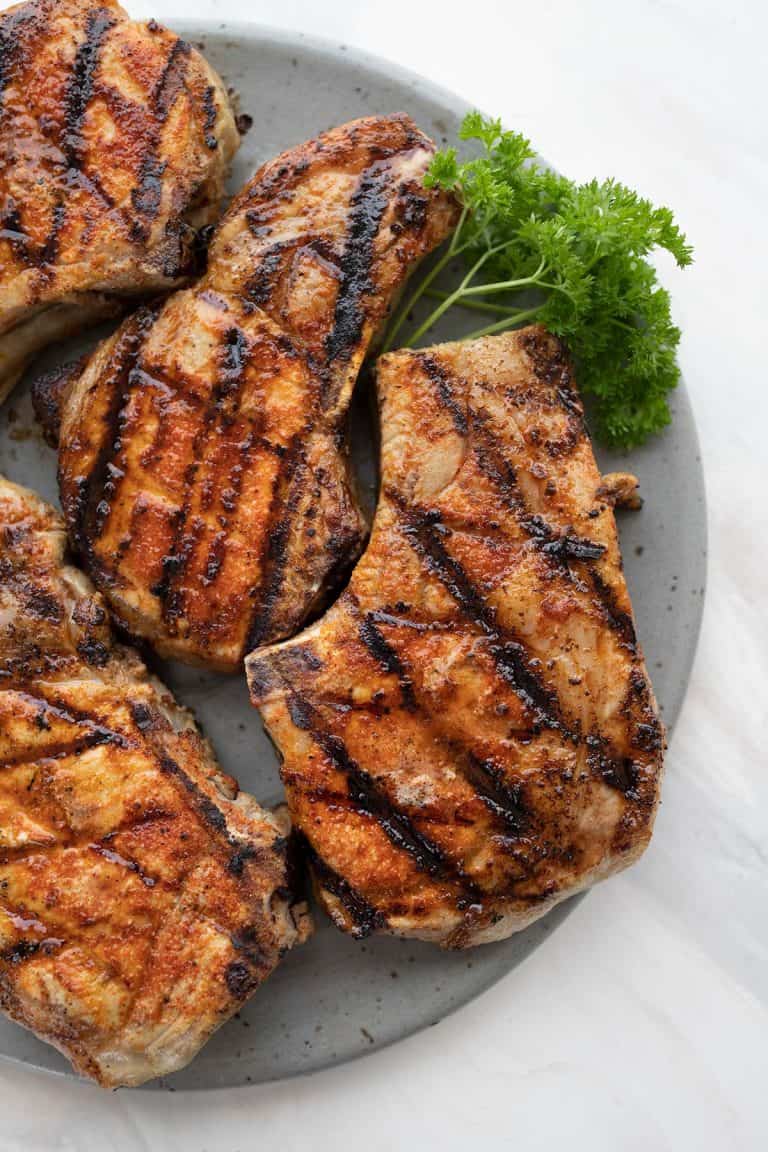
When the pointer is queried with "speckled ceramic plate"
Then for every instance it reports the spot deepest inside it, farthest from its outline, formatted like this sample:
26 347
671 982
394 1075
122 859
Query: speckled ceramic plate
335 999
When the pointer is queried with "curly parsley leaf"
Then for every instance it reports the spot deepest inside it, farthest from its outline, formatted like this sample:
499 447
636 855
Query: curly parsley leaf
538 247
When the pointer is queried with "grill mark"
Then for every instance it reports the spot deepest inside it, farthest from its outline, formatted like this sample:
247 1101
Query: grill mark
494 464
619 772
24 949
510 656
367 207
552 367
365 917
48 251
499 796
235 350
423 532
286 495
80 89
70 715
77 99
11 40
229 498
58 751
383 652
146 197
216 554
113 476
208 811
370 800
497 468
572 547
486 777
235 358
171 80
619 620
557 547
146 720
441 379
261 285
113 857
161 393
204 806
92 184
209 122
90 506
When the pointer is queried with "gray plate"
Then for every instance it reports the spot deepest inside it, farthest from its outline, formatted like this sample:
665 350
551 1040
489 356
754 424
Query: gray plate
335 999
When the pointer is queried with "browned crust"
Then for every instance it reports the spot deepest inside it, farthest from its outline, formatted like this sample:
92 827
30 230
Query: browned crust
203 470
115 139
470 734
142 897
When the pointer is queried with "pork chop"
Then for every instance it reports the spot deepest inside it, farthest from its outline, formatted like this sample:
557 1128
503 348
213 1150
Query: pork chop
115 138
202 471
469 735
142 897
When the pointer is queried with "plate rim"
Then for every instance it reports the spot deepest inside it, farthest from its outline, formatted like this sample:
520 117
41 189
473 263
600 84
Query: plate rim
200 30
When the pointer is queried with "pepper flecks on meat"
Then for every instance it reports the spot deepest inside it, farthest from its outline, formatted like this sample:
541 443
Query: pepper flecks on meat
127 934
115 140
478 684
203 470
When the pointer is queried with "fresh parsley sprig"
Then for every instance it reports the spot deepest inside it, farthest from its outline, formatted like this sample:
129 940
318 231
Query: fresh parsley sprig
538 247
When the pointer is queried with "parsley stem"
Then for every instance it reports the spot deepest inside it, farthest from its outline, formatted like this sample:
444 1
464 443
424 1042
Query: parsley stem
506 285
452 250
500 325
475 305
456 295
454 244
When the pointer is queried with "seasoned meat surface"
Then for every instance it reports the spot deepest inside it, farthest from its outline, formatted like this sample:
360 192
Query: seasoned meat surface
470 735
202 466
115 138
142 898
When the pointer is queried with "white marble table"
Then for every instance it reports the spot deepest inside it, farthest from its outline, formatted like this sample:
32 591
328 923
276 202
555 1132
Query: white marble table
642 1022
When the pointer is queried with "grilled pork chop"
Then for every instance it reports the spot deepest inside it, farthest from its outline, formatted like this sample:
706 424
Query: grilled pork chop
469 735
115 138
142 898
202 468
